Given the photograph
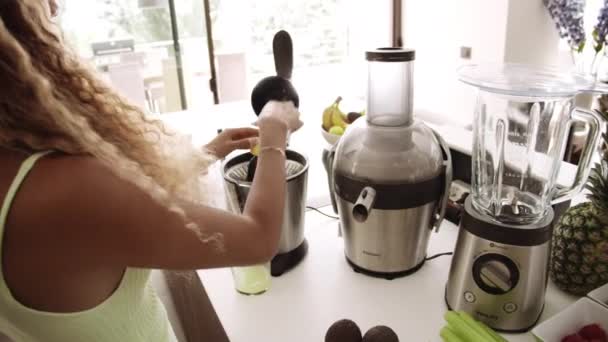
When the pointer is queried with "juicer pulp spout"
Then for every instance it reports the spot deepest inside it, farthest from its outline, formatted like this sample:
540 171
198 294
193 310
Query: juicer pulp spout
364 204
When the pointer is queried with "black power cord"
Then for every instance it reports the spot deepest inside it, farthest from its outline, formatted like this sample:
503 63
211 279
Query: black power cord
438 255
322 213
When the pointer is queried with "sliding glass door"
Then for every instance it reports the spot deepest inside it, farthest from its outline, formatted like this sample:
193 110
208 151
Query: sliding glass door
330 37
153 51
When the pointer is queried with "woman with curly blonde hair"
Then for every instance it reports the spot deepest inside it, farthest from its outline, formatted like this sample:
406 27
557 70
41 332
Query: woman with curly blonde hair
94 194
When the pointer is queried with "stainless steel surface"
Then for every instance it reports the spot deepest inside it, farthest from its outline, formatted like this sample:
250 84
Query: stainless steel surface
237 189
238 173
364 204
328 161
496 274
447 164
387 149
292 233
520 305
389 241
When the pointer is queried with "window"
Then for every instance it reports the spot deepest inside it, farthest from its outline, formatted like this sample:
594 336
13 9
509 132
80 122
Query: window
132 43
330 38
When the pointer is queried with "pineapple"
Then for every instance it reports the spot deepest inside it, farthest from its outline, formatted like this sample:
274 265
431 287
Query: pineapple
579 255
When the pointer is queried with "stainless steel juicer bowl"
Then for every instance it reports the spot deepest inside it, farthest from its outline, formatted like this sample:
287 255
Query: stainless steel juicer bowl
237 187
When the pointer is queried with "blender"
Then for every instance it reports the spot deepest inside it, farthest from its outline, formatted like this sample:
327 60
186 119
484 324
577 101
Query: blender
499 270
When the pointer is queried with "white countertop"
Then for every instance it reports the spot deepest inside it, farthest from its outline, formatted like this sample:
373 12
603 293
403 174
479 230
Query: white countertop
302 304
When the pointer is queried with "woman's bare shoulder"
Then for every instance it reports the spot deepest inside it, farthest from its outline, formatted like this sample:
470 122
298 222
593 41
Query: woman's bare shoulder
50 176
54 209
57 178
66 198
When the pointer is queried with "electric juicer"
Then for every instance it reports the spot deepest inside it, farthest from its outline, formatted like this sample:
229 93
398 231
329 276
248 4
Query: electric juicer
390 174
499 270
239 171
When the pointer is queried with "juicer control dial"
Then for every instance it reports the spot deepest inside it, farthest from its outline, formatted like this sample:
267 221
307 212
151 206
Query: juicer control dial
495 273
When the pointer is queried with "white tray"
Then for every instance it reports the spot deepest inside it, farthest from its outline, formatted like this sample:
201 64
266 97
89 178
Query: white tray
583 312
600 295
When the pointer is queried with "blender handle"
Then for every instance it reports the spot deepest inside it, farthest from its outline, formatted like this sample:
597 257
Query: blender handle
443 201
593 121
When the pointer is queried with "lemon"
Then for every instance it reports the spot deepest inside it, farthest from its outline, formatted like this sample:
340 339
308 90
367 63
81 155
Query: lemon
336 130
255 150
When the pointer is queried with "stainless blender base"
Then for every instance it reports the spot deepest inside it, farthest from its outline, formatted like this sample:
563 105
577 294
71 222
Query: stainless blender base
282 263
515 331
499 271
385 275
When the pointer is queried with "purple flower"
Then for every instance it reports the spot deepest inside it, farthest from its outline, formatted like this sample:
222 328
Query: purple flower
568 16
600 31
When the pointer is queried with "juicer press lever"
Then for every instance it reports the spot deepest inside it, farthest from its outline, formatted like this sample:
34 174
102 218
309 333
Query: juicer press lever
328 163
443 200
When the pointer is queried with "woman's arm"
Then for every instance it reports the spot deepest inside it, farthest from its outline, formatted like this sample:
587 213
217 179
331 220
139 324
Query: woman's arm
85 214
232 139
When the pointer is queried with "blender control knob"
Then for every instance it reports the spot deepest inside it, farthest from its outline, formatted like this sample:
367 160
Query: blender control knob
495 273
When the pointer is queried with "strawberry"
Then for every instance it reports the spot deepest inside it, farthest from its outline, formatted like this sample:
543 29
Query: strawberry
594 333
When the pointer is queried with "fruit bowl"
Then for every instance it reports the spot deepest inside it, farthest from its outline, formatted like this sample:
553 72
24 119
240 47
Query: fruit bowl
581 313
335 122
331 139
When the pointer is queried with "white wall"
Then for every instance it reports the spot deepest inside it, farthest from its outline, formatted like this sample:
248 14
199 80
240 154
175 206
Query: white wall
368 27
437 29
531 34
496 30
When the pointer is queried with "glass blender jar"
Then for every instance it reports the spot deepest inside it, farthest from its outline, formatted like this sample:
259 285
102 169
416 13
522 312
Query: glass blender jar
522 118
499 270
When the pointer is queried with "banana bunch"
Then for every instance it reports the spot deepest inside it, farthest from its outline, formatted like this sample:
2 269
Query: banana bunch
335 121
334 117
463 328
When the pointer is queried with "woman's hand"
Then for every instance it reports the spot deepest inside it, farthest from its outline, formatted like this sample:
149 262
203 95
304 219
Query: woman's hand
283 112
232 139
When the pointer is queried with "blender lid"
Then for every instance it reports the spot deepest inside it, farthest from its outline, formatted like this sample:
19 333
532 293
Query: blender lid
391 54
526 80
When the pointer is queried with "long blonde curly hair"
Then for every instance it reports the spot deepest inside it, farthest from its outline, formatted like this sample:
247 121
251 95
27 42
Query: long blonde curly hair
49 100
